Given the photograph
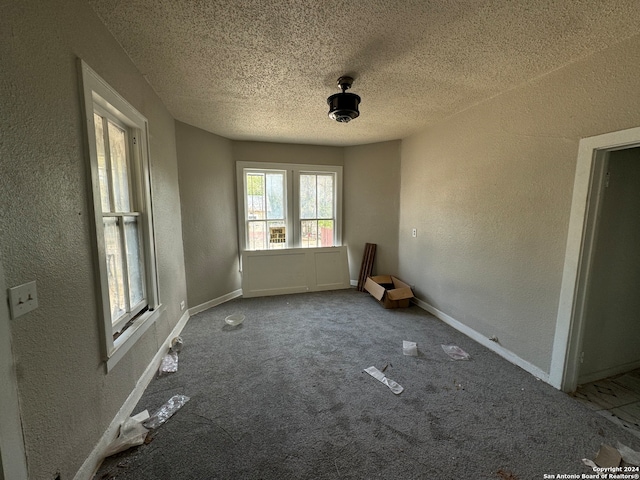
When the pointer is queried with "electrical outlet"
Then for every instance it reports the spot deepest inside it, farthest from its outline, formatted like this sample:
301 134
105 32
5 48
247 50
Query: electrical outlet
182 305
23 299
414 232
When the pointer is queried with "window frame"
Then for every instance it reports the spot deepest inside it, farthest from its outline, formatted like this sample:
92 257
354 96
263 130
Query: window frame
299 219
286 202
292 199
99 97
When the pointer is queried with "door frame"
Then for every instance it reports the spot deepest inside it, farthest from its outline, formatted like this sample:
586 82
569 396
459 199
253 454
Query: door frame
588 189
13 462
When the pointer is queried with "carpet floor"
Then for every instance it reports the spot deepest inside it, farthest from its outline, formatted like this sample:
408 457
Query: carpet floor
284 396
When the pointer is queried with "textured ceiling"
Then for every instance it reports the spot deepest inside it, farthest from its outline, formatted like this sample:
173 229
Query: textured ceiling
263 69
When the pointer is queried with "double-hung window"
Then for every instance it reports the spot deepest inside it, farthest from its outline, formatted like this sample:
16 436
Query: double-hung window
121 216
289 205
266 217
317 204
118 151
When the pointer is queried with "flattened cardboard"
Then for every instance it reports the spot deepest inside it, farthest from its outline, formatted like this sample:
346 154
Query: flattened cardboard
608 457
390 291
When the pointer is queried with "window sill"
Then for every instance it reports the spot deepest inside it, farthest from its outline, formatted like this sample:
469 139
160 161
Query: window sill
128 339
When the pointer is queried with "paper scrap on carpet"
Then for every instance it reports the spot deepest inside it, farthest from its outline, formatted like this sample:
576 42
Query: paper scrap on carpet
409 348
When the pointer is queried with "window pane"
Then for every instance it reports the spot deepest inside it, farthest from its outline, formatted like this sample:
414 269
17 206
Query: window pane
307 196
257 236
115 270
309 230
326 233
277 235
325 196
119 171
134 261
255 196
275 195
103 175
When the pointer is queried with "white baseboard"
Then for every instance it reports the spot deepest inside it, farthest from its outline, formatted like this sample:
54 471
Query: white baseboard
608 372
216 301
354 283
93 461
481 339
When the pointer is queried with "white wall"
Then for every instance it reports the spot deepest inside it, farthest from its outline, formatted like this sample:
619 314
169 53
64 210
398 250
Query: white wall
371 193
209 214
489 191
67 399
372 205
287 153
612 323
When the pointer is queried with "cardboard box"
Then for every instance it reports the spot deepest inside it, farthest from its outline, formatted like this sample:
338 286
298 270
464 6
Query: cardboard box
390 291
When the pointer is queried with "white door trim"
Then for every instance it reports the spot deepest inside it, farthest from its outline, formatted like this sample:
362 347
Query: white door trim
587 197
14 463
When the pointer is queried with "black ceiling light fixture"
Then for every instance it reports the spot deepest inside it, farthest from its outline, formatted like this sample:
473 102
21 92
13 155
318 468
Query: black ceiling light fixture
343 107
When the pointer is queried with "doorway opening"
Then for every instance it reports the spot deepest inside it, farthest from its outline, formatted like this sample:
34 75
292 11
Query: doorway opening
591 330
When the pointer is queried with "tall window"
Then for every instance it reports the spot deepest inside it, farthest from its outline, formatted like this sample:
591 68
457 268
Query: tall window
120 219
266 207
317 209
289 206
125 250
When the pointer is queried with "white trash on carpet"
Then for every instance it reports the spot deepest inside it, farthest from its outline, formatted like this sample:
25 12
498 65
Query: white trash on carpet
166 411
628 455
455 352
132 433
169 363
378 375
409 348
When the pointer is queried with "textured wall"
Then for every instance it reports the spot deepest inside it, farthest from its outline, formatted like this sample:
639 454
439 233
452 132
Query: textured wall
209 214
372 204
67 400
490 191
287 153
612 326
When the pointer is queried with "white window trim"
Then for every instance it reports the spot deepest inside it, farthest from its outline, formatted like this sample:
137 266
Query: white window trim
292 179
97 93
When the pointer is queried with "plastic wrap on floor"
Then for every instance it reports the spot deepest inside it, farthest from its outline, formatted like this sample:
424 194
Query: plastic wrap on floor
628 455
132 433
455 352
166 411
169 363
378 375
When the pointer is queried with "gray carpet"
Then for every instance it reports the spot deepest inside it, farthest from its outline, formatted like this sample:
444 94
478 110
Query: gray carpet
284 396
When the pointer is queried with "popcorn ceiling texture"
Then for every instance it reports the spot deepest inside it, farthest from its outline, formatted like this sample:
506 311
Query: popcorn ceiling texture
489 189
262 70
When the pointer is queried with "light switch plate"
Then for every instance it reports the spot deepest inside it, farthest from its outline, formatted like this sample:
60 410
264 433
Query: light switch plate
23 299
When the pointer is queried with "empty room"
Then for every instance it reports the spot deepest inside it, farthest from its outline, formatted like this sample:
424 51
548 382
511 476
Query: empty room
365 239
